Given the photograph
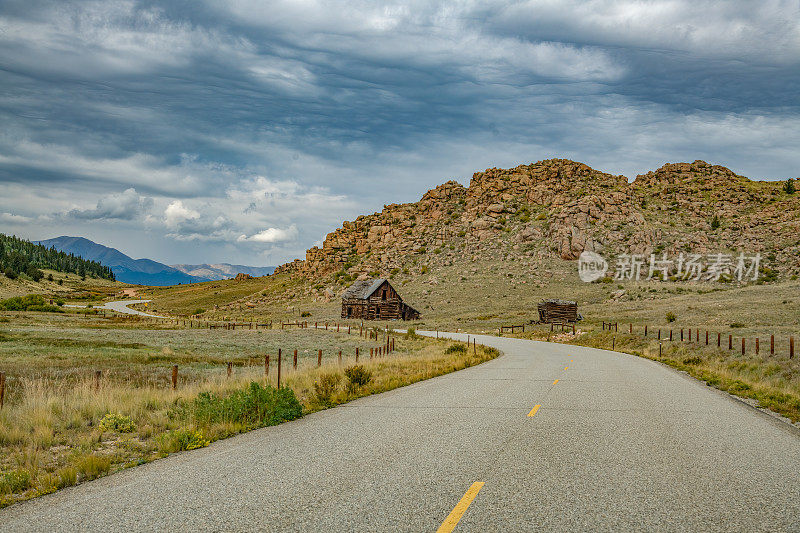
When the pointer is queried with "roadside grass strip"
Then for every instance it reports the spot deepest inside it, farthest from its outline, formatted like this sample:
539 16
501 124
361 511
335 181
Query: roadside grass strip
458 511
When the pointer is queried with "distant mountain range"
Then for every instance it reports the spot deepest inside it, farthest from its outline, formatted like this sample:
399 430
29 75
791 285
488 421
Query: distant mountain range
223 270
147 271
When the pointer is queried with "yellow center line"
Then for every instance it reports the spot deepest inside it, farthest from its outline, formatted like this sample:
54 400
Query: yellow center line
566 367
535 408
556 381
458 511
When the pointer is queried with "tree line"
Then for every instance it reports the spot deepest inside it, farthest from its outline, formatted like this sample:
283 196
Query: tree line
19 256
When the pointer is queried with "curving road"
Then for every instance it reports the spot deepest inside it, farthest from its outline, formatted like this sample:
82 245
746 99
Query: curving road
617 443
121 306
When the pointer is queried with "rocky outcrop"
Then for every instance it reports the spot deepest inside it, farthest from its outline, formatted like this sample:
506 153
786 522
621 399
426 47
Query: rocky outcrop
560 208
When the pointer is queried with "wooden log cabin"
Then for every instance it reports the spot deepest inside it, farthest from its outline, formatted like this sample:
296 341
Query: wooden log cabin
375 299
558 312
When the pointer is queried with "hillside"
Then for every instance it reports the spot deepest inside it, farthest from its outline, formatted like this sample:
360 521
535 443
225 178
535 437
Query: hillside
21 257
559 208
125 268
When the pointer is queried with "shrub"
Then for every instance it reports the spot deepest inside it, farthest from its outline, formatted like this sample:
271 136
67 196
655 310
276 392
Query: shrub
31 302
34 273
671 316
182 439
411 333
357 376
10 274
325 387
199 311
715 222
49 277
456 348
789 187
737 325
14 481
253 407
692 361
117 422
305 314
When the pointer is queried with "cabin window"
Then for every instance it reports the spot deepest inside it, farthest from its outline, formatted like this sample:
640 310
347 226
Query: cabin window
349 311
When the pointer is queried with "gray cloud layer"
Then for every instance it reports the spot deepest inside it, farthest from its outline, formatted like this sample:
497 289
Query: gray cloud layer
243 131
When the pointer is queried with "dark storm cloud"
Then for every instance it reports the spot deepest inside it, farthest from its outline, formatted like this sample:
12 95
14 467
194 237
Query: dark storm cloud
246 120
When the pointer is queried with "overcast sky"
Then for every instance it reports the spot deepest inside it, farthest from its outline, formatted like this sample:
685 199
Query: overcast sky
244 131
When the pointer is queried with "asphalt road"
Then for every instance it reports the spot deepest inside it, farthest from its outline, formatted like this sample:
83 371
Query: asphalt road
618 443
121 306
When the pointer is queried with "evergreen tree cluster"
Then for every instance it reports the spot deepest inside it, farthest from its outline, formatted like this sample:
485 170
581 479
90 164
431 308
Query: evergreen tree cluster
19 256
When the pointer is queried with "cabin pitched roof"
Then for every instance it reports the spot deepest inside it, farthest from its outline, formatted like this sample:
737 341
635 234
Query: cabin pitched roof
363 289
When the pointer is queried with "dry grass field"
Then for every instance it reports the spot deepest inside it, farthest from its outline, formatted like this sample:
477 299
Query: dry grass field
61 425
483 294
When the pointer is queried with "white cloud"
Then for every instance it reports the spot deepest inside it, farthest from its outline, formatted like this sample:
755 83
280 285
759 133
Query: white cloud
176 214
10 218
127 205
272 235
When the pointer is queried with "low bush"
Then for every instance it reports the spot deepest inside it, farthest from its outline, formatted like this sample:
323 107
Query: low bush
253 407
117 422
199 311
31 302
456 348
325 388
181 440
357 377
14 481
671 317
305 314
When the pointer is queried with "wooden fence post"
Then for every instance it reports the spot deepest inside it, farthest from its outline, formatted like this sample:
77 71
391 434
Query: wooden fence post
613 342
294 364
719 336
706 337
616 327
266 365
631 328
757 345
340 357
742 345
2 388
791 347
279 368
681 334
670 335
371 352
174 377
659 333
659 349
772 344
645 330
319 358
357 355
97 374
730 342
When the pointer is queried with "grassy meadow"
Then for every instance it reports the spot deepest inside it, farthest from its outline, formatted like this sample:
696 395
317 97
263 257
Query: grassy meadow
61 426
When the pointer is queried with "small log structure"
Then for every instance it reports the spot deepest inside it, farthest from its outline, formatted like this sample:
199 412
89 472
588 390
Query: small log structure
375 299
558 312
